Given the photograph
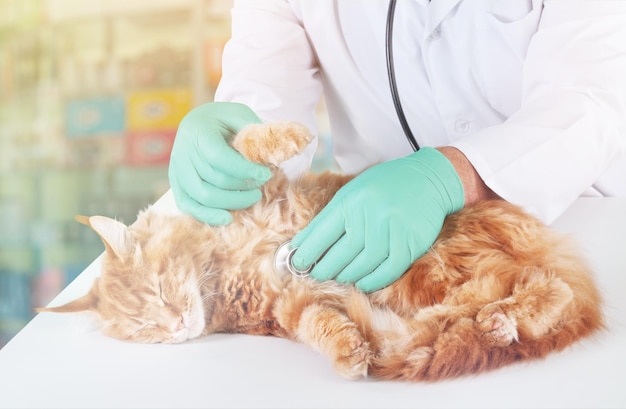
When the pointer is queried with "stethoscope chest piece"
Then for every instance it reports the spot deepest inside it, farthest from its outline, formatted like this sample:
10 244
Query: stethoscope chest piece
282 261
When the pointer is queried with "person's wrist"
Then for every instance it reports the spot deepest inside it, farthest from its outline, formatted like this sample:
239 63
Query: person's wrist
474 187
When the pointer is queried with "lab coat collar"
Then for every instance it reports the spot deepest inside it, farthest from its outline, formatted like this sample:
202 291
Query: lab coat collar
437 11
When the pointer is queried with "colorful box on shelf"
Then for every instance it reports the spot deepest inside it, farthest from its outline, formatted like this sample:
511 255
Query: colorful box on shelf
145 148
96 116
157 109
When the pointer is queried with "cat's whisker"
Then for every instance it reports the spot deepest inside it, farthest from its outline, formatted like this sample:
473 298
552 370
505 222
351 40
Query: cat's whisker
210 295
205 277
202 282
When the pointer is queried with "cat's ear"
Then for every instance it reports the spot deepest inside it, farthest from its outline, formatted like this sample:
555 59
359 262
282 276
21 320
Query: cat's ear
114 234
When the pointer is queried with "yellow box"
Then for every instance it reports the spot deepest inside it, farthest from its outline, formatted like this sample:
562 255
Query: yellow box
157 109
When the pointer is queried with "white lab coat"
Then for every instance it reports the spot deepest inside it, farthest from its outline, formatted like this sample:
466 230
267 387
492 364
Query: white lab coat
532 91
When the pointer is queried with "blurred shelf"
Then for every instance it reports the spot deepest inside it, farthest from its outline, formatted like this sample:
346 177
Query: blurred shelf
91 93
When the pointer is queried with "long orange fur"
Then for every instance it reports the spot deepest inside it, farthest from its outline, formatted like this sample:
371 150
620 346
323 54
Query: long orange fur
496 287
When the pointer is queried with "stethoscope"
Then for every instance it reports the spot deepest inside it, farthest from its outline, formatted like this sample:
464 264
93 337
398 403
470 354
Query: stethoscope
284 253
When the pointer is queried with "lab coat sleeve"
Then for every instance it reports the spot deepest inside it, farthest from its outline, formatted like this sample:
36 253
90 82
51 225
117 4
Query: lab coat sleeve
269 65
572 120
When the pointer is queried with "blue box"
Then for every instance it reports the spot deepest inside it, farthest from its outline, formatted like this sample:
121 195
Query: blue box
95 116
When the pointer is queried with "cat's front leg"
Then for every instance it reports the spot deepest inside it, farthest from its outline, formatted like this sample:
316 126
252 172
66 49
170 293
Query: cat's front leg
332 333
329 331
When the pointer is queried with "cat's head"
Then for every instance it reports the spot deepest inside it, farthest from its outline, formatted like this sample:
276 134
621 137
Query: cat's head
149 289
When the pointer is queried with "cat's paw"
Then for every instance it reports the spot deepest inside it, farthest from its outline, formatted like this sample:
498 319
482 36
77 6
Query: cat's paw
352 354
496 327
272 143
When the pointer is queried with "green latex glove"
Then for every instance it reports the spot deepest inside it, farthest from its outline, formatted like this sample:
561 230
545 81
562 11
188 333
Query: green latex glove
207 176
379 223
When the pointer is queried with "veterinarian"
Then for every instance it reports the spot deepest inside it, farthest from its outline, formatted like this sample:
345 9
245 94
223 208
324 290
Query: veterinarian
522 100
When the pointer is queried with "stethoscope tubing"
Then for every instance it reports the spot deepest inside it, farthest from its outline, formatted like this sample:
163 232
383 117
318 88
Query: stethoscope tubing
391 74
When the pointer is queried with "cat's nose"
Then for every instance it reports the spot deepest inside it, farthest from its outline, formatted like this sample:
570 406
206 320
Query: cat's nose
181 324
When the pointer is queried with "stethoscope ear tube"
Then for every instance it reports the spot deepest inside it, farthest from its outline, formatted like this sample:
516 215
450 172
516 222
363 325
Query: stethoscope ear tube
392 77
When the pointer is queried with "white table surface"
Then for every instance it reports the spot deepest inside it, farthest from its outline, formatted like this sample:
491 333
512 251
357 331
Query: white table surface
60 361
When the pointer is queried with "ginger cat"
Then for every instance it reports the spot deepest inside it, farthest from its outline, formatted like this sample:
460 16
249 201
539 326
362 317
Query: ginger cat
497 286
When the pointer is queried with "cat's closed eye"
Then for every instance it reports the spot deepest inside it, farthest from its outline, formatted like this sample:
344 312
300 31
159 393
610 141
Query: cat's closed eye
142 324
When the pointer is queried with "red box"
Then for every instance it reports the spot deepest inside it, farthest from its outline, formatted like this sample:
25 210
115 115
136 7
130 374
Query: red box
149 148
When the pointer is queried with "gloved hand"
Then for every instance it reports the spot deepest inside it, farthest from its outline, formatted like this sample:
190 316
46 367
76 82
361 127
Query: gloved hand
207 176
380 222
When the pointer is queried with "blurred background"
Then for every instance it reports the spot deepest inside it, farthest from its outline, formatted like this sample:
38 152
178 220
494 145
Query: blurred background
91 94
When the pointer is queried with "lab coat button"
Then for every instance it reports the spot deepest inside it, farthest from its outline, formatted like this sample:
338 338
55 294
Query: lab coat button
462 125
